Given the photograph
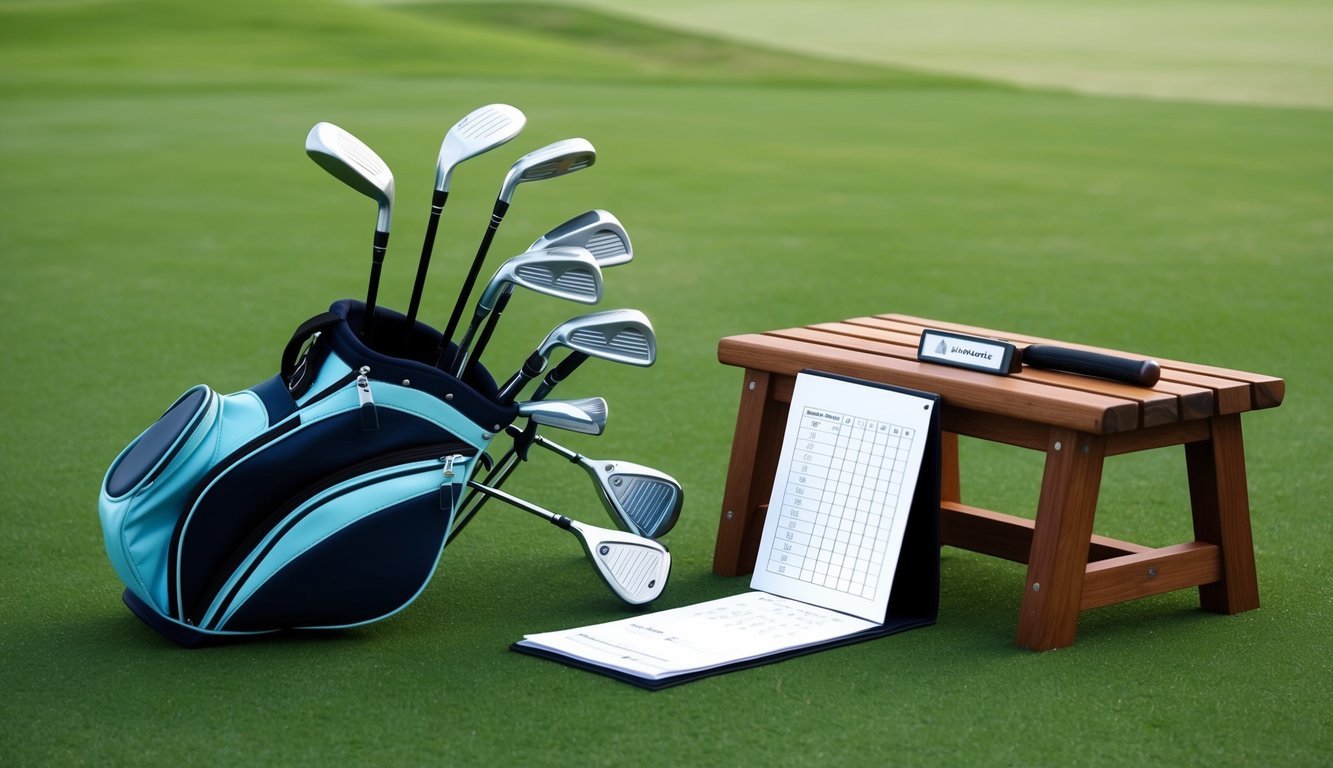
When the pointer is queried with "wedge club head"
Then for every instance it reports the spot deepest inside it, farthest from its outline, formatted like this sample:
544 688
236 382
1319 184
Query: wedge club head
586 416
597 230
353 163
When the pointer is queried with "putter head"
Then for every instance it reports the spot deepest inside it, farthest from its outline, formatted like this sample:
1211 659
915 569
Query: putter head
565 273
586 416
350 161
550 161
641 500
635 568
619 335
481 130
597 230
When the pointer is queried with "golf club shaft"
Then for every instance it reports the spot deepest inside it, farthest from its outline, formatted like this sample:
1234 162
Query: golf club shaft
376 264
440 197
505 467
523 504
485 337
497 215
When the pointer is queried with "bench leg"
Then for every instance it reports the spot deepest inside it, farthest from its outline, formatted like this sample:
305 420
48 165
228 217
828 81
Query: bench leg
1220 503
1058 560
755 450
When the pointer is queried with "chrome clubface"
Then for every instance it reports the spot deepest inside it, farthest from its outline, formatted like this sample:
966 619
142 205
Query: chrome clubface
597 230
481 130
564 273
620 335
552 160
353 163
586 416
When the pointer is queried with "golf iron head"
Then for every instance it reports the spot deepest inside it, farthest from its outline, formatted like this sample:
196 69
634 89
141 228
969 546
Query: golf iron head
597 230
619 335
586 416
552 160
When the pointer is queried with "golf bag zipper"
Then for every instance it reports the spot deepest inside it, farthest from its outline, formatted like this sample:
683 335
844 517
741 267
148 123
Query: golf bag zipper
444 453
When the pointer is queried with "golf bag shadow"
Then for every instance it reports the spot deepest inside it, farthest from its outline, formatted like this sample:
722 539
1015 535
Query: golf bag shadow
320 498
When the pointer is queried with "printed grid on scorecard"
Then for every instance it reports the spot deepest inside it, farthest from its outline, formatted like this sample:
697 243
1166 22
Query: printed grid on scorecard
846 474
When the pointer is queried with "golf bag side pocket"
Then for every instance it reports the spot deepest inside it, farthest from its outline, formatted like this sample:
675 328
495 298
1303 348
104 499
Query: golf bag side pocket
146 485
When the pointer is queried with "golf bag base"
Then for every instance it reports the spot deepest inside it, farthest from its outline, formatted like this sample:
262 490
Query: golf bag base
320 498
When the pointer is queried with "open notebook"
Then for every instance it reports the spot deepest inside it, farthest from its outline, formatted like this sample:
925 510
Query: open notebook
850 548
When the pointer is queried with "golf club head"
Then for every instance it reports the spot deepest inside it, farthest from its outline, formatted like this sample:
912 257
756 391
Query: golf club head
635 568
597 230
550 161
640 500
586 416
353 163
481 130
620 335
565 273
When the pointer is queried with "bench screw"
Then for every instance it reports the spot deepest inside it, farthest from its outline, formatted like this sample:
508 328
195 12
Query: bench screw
1036 587
1152 573
752 386
1057 445
730 514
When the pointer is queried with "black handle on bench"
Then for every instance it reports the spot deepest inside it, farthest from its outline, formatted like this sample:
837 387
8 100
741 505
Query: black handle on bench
1144 373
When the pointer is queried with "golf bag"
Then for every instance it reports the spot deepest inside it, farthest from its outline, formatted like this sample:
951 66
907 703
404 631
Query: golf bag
320 498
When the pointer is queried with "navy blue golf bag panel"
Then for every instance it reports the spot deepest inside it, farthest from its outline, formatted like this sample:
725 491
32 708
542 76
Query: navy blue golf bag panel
321 497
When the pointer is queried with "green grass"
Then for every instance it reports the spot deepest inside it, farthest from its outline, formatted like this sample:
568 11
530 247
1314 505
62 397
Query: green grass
160 227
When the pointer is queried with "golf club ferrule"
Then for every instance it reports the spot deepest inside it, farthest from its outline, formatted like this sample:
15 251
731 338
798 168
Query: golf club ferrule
437 200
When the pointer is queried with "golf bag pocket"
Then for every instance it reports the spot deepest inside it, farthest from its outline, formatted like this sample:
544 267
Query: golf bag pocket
355 549
148 483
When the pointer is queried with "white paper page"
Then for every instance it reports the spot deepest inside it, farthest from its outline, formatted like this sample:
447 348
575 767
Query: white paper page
701 636
849 464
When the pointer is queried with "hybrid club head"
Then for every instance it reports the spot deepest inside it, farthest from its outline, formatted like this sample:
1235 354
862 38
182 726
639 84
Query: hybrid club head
634 567
350 161
586 416
552 160
597 230
641 500
481 130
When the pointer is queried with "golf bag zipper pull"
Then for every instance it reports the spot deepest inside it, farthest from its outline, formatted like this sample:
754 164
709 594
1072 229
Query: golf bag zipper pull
370 419
447 487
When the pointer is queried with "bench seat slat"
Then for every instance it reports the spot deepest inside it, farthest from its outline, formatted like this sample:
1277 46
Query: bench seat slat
1259 390
1085 412
1164 404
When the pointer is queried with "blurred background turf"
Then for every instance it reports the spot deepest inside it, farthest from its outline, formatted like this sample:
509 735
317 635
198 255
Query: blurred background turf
161 227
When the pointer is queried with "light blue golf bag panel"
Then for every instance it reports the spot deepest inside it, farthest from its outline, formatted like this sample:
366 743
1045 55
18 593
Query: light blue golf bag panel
145 487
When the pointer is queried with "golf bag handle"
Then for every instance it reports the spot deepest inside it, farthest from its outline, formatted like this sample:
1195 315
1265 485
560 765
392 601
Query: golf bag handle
316 324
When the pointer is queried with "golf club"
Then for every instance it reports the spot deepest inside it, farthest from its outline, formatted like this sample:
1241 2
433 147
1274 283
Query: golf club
639 499
586 416
619 335
635 568
356 165
481 130
553 160
565 273
597 230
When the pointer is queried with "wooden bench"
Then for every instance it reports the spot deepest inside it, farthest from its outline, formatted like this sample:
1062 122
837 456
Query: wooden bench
1076 421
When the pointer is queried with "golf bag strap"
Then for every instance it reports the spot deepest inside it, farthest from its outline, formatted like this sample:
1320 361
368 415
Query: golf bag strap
316 324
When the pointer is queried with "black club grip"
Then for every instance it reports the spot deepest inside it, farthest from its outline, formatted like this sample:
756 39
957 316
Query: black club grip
1144 373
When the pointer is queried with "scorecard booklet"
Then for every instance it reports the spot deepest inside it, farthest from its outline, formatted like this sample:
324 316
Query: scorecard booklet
850 548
